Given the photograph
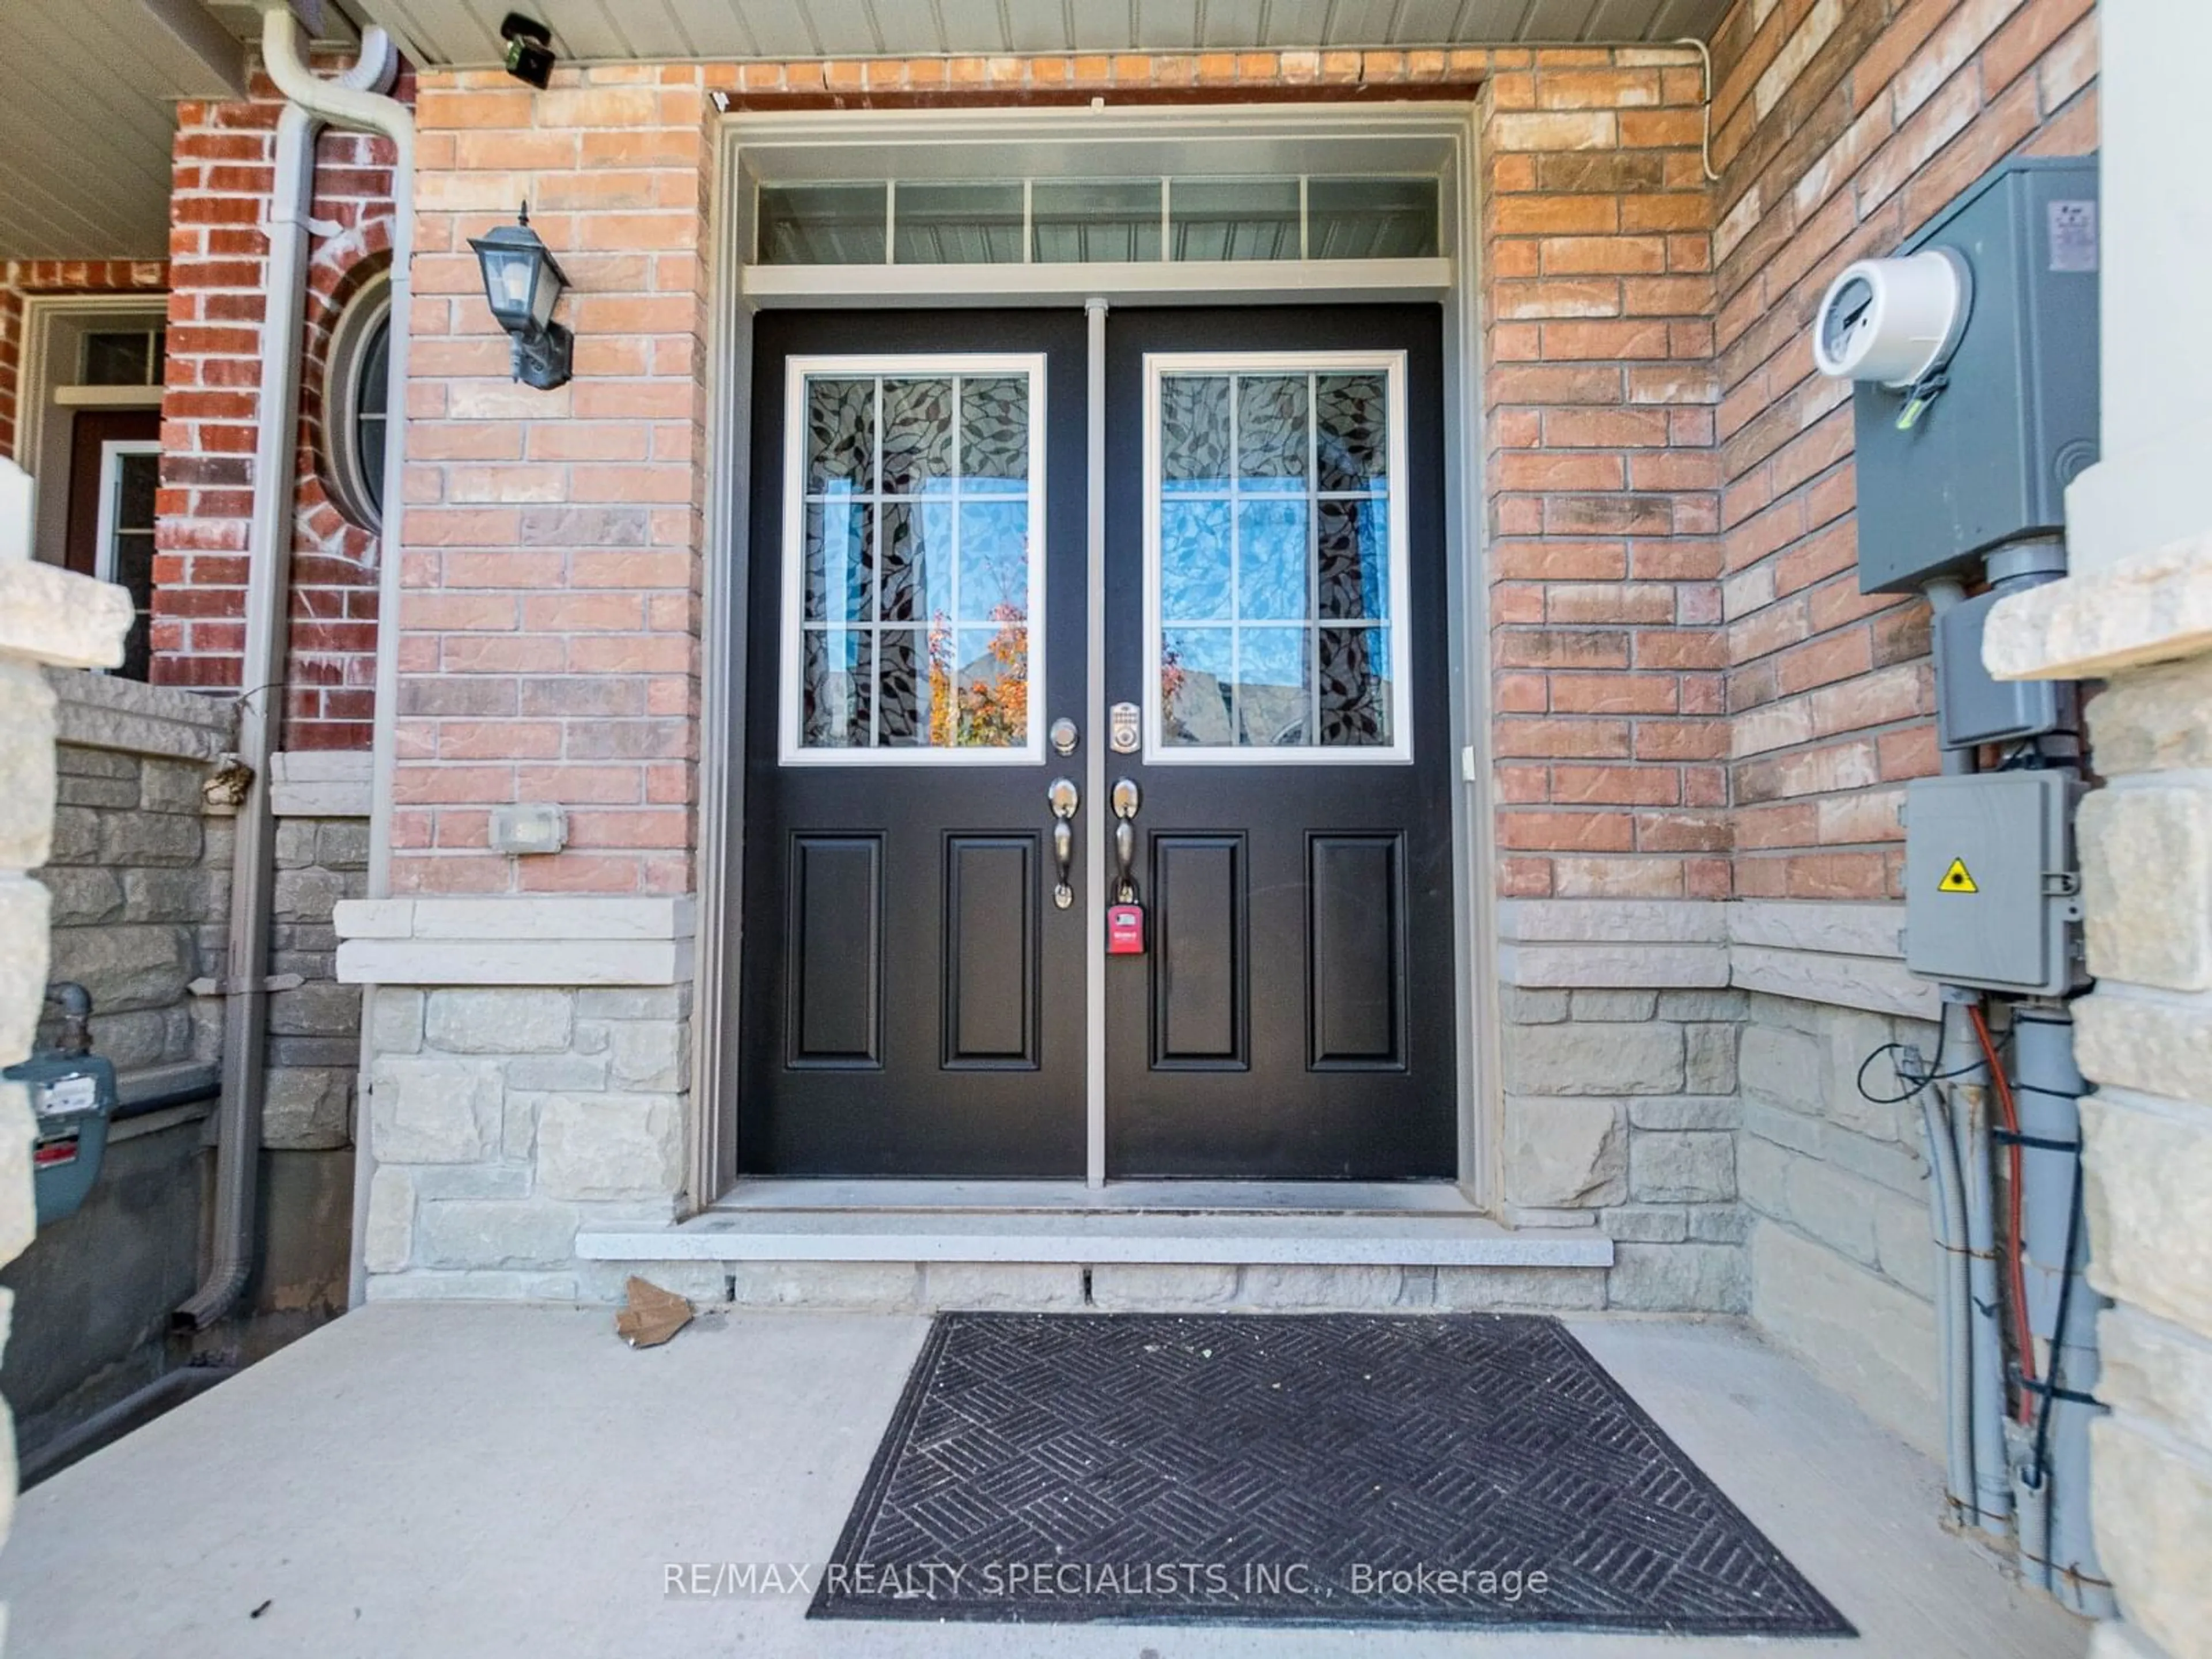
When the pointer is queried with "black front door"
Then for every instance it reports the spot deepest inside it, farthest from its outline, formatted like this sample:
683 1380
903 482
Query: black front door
912 996
1276 612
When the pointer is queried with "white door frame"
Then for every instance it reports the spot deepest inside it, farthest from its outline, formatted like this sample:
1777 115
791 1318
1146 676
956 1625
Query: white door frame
1005 142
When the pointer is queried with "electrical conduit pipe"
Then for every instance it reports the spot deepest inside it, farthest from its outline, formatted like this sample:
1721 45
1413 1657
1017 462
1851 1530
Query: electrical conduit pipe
1946 1205
356 99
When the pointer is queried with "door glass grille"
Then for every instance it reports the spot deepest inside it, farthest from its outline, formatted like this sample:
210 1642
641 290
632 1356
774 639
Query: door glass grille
1274 558
918 580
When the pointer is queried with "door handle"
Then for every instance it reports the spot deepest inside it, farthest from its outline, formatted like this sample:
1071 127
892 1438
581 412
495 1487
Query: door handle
1065 799
1125 800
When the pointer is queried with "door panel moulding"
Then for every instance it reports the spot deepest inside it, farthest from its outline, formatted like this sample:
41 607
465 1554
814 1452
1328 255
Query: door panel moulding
1079 143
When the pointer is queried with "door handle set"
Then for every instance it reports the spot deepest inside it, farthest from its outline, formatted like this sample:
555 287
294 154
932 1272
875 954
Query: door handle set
1065 800
1125 800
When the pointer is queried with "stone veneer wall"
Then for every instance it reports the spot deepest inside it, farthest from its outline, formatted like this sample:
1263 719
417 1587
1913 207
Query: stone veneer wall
2145 1038
315 1028
505 1117
47 617
1620 1109
1840 1253
139 876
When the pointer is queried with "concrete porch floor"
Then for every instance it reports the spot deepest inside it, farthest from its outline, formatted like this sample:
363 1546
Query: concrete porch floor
484 1481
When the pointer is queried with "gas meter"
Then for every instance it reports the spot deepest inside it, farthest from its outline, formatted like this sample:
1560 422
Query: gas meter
72 1093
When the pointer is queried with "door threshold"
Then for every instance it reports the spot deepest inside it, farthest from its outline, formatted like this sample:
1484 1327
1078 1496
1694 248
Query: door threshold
787 1196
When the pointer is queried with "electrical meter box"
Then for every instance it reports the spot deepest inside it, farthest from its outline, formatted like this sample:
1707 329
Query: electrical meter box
1990 886
1987 460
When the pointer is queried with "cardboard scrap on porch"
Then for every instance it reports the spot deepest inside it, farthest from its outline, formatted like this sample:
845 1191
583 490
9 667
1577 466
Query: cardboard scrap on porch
651 1315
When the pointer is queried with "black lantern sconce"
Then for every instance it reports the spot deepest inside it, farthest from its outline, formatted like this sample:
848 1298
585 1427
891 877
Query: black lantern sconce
523 283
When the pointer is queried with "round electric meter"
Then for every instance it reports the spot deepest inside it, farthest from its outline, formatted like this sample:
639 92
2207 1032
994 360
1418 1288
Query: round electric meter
1893 320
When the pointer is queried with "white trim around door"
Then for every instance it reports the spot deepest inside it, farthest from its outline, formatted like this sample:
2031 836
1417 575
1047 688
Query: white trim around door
754 146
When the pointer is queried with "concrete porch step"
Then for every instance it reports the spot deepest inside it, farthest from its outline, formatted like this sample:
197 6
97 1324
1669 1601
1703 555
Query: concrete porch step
1089 1238
1134 1246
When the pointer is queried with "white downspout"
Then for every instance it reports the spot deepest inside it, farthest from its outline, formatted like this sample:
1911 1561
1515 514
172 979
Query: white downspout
355 99
365 111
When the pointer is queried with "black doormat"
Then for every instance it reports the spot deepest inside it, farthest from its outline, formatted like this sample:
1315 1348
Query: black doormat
1355 1469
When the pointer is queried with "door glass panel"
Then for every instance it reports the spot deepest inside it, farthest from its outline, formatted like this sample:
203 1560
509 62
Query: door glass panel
1275 557
917 571
128 560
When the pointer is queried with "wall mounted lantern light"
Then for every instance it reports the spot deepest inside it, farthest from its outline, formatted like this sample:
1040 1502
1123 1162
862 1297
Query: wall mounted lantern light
524 284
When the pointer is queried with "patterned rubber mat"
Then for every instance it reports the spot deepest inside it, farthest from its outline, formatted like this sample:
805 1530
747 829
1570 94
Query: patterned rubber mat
1356 1469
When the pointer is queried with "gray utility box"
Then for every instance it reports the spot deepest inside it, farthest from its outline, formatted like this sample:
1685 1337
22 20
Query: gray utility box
1989 888
1989 461
1971 706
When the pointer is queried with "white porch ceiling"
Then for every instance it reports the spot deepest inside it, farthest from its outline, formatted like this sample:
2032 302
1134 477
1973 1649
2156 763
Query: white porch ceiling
88 87
89 90
86 94
466 32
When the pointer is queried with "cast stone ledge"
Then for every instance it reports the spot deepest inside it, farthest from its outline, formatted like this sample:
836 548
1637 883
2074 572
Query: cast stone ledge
316 783
1613 922
102 711
52 615
1845 954
2145 609
526 939
1595 965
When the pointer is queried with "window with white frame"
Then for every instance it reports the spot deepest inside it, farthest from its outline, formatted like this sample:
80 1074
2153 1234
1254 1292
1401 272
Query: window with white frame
1275 556
913 559
130 474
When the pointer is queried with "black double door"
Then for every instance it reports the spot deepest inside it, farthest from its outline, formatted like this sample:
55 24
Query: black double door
1274 725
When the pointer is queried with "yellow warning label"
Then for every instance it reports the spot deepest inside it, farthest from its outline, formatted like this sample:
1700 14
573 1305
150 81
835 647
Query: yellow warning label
1956 880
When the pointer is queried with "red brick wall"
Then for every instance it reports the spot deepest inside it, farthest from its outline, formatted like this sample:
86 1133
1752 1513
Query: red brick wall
222 174
1841 127
549 647
19 277
1608 727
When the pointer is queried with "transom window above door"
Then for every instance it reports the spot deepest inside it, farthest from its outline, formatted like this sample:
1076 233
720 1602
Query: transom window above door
913 559
1274 558
1055 221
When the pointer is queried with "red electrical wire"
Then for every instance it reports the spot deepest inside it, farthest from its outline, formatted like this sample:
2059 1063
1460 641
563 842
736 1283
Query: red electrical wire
2012 1241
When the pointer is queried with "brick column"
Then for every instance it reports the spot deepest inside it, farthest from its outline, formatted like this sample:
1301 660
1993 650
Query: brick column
1607 731
221 177
550 611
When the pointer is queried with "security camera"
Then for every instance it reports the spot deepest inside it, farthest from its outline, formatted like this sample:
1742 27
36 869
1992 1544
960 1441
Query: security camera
529 49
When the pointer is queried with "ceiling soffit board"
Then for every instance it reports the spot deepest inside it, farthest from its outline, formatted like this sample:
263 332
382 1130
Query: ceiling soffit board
463 33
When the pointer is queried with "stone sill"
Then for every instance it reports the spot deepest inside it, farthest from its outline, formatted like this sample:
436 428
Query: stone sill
521 940
1215 1239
